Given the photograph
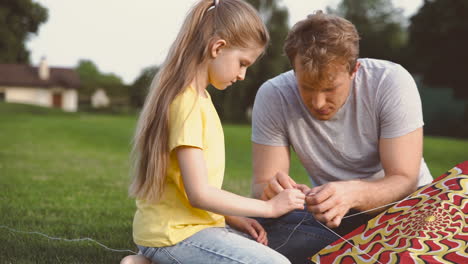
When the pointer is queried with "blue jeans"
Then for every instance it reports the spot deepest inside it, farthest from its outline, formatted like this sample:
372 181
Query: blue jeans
215 245
308 238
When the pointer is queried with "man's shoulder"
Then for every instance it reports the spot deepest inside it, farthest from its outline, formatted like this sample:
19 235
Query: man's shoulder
377 66
375 72
281 81
277 93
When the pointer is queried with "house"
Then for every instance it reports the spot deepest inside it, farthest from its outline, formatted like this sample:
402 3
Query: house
44 86
99 99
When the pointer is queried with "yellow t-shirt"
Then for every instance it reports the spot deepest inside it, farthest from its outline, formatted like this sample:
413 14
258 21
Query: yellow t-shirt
193 121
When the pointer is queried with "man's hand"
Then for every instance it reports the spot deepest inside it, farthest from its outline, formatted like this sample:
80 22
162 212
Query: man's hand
330 202
303 188
248 226
276 185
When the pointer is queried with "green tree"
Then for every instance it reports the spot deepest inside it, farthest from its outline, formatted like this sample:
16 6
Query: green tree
89 76
233 103
439 46
19 20
379 25
139 88
92 79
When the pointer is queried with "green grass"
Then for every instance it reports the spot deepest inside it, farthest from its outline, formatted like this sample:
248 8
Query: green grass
66 175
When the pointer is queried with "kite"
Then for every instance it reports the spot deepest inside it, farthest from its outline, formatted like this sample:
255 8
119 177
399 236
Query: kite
429 226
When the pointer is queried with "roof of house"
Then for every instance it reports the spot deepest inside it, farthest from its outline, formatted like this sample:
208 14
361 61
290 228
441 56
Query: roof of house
27 76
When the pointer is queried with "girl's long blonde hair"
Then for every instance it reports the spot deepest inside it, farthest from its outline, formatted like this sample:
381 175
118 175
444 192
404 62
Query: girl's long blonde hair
239 25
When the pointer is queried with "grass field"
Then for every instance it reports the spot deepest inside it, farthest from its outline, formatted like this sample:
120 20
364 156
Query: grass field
66 175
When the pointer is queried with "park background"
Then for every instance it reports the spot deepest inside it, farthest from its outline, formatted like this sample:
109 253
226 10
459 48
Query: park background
66 174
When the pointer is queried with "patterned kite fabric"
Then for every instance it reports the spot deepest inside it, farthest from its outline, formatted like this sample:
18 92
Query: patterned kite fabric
429 226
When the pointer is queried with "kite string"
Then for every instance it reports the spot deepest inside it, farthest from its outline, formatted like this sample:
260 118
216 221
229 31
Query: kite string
294 229
362 212
69 240
304 218
383 206
329 229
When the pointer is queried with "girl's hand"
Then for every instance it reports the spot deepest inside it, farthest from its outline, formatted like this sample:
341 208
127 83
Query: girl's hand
286 201
248 226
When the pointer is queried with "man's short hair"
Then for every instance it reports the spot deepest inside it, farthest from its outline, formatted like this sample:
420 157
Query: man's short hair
324 42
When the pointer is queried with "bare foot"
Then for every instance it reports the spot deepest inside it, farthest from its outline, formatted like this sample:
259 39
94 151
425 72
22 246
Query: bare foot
135 259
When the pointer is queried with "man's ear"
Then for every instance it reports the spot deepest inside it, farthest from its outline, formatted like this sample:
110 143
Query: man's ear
353 73
216 47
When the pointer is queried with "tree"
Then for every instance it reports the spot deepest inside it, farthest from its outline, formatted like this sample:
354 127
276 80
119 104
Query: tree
139 88
379 25
438 45
233 103
438 52
91 79
89 75
19 19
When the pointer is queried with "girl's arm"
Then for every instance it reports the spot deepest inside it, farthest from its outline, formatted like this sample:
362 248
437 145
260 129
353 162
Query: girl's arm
204 196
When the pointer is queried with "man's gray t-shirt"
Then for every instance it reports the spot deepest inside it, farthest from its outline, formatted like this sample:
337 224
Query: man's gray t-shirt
383 102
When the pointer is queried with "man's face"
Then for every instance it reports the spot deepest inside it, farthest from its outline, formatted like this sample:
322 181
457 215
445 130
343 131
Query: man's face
324 98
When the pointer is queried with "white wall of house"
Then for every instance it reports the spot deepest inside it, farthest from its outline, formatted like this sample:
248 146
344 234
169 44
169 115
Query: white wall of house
41 96
26 95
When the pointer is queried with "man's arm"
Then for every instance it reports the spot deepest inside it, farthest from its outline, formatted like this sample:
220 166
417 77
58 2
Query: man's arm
270 170
401 159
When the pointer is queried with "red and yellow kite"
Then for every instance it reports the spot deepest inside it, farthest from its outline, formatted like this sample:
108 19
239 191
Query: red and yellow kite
430 226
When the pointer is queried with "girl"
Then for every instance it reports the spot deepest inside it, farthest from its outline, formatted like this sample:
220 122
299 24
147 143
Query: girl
179 148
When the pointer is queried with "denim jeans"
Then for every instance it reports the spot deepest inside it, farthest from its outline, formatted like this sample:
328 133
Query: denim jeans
215 245
308 238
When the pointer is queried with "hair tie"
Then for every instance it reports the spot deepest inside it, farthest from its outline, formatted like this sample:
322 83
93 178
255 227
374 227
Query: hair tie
215 4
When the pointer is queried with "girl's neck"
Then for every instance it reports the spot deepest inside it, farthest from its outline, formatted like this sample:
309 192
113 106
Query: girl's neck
201 81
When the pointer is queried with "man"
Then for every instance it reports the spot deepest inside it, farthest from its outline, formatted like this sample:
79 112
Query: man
355 124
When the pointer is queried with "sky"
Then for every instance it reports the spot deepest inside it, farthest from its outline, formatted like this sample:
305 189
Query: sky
124 37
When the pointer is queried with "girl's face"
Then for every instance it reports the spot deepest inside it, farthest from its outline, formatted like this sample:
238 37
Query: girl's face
228 65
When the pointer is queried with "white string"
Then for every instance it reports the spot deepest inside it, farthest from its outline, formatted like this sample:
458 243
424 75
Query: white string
69 240
294 229
407 198
305 215
348 242
58 238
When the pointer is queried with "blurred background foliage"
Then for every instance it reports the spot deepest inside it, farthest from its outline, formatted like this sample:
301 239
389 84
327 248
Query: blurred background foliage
19 20
431 45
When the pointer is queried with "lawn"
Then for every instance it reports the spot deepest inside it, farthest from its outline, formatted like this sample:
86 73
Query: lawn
66 175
